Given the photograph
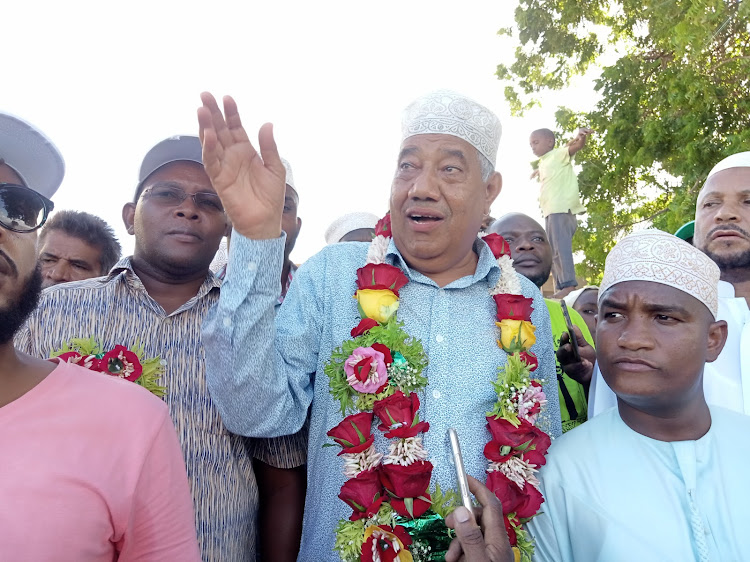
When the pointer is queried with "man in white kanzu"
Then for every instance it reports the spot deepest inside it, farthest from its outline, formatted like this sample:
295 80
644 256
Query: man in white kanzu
663 476
265 370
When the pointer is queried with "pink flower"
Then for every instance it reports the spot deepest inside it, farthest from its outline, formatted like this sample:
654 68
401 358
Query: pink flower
366 370
530 404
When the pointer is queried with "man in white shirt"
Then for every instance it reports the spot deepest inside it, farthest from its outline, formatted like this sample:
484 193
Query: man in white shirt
722 231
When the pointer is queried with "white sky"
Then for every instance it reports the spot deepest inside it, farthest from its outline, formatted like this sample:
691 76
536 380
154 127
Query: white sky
107 81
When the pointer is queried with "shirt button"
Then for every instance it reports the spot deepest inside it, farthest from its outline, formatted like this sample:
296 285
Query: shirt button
227 321
436 394
252 266
439 338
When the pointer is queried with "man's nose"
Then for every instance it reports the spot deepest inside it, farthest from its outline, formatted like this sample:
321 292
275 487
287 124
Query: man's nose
425 186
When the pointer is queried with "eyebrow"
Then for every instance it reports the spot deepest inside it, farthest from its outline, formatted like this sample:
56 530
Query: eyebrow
720 195
651 307
455 153
407 151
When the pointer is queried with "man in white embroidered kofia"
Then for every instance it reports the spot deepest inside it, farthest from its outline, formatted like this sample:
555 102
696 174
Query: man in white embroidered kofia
266 370
663 475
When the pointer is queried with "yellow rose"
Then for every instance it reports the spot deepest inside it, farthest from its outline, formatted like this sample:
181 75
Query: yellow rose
516 335
378 304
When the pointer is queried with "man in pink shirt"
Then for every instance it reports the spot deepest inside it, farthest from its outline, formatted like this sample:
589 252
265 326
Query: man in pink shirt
90 465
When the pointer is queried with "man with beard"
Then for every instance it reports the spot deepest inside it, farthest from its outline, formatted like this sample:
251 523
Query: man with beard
722 232
532 257
91 466
265 369
157 298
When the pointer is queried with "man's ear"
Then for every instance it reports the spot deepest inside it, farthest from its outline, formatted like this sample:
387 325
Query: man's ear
494 187
299 224
717 337
128 217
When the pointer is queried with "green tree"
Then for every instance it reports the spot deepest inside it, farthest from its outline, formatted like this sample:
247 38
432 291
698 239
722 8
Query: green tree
674 98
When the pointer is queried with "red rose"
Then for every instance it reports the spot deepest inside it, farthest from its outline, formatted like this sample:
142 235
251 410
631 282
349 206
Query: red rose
364 326
122 363
354 433
399 415
363 494
497 244
407 486
387 357
383 226
381 276
530 359
524 503
385 544
513 307
521 439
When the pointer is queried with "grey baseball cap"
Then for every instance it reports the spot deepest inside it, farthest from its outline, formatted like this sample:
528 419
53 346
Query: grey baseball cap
31 154
173 149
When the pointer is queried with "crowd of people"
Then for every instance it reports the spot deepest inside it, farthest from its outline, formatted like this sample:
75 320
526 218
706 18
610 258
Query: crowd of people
211 439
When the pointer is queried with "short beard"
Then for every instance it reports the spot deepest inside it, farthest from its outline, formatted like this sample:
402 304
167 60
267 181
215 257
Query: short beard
540 279
730 262
13 316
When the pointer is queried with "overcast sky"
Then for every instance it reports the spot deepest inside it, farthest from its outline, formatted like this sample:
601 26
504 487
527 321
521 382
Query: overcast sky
107 81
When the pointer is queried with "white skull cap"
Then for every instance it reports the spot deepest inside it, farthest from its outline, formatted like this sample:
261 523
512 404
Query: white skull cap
289 175
449 113
738 160
348 223
660 257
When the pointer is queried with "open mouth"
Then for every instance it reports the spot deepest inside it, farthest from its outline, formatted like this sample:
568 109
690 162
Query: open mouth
424 219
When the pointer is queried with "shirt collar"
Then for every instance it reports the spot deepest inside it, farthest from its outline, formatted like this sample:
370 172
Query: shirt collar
487 267
125 267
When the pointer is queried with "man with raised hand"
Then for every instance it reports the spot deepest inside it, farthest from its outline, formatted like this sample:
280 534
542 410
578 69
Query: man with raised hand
264 371
663 476
91 466
722 231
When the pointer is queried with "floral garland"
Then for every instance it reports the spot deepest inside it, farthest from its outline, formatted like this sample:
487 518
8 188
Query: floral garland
120 362
395 517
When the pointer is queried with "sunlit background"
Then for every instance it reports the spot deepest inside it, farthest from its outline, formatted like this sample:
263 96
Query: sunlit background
107 81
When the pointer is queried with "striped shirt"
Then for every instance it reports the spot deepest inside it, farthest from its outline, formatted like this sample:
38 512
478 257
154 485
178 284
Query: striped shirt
116 309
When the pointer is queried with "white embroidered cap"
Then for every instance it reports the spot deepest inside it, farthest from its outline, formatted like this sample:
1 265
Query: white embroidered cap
738 160
289 175
660 257
347 223
448 113
571 298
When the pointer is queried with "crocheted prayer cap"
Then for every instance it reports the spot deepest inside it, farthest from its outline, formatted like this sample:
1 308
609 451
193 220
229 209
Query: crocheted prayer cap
660 257
448 113
347 223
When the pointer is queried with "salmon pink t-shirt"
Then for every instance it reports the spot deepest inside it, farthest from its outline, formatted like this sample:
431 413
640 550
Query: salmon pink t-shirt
91 470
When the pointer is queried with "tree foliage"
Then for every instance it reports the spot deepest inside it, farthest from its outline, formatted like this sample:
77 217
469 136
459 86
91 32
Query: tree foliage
674 98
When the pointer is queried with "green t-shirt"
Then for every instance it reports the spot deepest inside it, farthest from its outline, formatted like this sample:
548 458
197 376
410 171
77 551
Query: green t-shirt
572 395
558 191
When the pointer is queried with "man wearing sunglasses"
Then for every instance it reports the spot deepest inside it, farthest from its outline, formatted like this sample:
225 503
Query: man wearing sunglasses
91 465
158 298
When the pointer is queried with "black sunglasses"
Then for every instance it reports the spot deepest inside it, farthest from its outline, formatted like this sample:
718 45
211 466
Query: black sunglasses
22 209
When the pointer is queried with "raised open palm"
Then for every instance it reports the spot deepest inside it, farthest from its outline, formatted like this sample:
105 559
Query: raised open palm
251 185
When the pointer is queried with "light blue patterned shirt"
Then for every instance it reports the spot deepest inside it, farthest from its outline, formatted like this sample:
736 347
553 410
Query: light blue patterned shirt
263 376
